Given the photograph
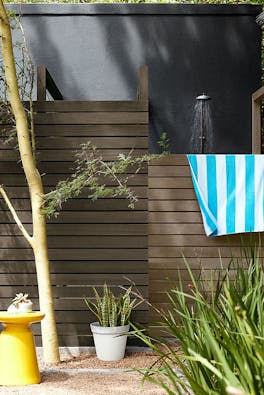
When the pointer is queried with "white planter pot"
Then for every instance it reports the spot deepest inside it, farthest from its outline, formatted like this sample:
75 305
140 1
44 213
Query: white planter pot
25 307
110 342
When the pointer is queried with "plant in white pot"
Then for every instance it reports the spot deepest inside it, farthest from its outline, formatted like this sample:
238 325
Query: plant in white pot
20 304
111 330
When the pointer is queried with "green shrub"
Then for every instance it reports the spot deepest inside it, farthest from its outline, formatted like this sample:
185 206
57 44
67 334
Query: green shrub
221 335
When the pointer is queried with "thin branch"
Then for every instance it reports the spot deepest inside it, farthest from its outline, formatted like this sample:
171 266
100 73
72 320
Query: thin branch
15 216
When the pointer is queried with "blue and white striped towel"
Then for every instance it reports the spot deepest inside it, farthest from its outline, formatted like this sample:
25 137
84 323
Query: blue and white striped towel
230 192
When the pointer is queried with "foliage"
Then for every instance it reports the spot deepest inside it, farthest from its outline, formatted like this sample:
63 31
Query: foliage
25 78
221 334
112 311
104 179
164 143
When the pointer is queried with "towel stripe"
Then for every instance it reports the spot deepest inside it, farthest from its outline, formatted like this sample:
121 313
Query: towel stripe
196 170
259 193
211 184
240 193
250 196
230 194
202 177
221 192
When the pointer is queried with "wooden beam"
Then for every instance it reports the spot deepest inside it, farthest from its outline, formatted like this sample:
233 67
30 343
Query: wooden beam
256 127
143 83
89 106
258 95
45 83
257 98
95 118
41 83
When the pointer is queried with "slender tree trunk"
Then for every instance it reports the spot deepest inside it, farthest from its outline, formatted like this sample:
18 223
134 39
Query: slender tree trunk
40 249
38 241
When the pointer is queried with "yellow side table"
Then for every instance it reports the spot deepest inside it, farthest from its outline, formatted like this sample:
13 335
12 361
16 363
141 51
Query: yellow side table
18 361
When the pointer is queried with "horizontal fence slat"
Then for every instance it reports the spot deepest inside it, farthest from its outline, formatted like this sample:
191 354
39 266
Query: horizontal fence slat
131 254
88 106
76 242
200 240
169 171
73 143
173 205
78 279
76 217
67 304
175 229
54 155
80 316
170 160
88 131
175 217
22 192
104 267
68 291
83 204
53 179
66 168
171 194
81 229
192 252
196 263
170 182
102 117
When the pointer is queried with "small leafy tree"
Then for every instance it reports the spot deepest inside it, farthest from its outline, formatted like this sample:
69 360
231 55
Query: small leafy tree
90 170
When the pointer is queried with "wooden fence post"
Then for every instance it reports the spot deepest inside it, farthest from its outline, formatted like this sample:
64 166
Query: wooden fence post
41 83
143 83
256 120
46 83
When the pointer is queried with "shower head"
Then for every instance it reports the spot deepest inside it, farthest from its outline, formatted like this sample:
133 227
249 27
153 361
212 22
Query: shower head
203 97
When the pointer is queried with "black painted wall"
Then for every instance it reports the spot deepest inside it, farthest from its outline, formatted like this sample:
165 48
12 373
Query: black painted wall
94 50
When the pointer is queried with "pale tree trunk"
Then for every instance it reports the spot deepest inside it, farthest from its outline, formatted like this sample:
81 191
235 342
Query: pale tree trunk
38 241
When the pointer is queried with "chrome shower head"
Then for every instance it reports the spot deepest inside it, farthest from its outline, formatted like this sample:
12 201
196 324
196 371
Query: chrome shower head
203 97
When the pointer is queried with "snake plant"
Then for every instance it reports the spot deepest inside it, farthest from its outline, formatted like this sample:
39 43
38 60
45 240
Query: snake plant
111 310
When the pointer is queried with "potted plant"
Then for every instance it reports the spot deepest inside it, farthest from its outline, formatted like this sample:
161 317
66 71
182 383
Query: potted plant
111 329
20 304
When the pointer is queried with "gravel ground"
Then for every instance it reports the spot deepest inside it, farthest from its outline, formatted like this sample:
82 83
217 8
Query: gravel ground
70 378
87 384
135 360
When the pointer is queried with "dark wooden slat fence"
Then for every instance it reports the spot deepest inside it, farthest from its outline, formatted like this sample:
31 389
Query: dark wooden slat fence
175 228
90 243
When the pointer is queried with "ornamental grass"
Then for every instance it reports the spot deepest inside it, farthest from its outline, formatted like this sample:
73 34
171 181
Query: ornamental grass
219 325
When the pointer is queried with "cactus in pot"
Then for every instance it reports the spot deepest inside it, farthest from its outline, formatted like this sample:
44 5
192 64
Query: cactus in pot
113 314
20 304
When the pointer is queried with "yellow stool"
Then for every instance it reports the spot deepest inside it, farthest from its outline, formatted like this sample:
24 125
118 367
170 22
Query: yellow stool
18 361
